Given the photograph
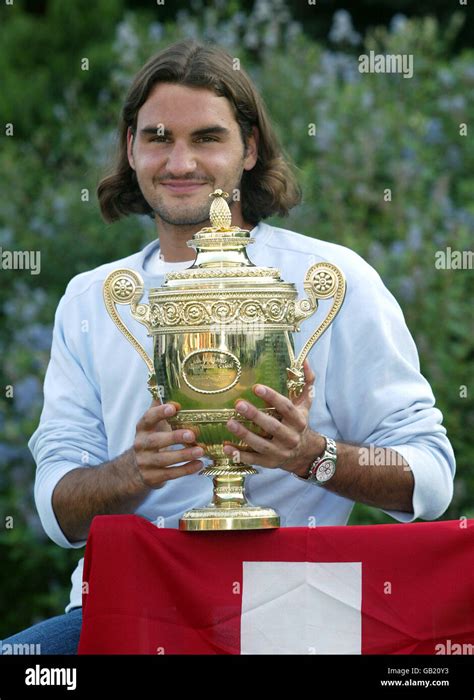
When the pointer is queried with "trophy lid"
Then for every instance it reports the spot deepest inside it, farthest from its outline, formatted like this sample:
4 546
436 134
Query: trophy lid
221 253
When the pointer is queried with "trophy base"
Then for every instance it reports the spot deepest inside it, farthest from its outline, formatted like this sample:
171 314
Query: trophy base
240 518
229 508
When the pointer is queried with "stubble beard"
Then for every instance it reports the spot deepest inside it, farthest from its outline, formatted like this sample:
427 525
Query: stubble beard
185 213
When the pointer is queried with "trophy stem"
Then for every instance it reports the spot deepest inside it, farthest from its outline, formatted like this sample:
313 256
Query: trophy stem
229 508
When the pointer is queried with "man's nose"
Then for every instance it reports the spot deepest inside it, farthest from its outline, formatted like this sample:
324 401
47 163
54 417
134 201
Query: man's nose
181 160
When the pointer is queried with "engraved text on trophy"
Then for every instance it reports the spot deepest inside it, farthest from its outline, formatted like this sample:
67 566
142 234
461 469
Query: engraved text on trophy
211 371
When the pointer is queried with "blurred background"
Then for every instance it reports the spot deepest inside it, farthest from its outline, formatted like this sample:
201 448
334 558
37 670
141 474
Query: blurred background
373 132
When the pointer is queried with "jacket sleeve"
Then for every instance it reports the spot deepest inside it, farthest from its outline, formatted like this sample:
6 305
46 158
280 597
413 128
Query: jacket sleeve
377 395
70 433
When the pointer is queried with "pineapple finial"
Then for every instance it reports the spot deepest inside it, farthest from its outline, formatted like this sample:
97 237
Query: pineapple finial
220 215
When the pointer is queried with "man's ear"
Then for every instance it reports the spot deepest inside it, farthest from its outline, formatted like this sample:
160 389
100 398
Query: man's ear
130 142
251 151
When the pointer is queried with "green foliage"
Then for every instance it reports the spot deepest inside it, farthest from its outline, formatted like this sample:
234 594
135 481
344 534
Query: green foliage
372 132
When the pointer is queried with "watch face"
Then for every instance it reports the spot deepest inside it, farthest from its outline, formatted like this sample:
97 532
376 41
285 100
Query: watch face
325 470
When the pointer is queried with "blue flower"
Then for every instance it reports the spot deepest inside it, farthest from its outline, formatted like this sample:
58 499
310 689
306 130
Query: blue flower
452 103
27 395
155 31
454 157
434 131
35 337
342 30
376 251
7 453
415 237
398 247
397 23
6 236
407 288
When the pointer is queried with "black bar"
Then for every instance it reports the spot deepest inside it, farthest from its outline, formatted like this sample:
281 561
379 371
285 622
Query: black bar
132 676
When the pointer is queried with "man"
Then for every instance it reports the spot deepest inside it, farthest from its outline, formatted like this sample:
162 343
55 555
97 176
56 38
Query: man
190 124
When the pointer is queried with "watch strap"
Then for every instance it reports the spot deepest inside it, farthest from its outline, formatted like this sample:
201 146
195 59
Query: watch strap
324 466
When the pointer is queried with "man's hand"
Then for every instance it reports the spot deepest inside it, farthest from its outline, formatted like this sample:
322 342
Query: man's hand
121 485
291 444
153 438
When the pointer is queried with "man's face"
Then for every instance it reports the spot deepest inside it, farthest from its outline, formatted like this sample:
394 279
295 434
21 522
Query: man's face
178 169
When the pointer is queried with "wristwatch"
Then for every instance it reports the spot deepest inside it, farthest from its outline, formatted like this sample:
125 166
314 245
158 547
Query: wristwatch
323 467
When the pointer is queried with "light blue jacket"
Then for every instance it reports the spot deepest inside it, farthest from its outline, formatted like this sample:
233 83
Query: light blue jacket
368 390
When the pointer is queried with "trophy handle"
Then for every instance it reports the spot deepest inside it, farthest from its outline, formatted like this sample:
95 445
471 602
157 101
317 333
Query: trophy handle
322 281
126 287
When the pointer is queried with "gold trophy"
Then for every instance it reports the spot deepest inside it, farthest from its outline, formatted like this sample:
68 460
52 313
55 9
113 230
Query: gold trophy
220 327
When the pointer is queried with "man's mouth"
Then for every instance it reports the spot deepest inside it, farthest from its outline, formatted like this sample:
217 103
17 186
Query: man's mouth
183 187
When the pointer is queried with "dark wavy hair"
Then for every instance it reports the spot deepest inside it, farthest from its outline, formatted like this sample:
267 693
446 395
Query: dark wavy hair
270 188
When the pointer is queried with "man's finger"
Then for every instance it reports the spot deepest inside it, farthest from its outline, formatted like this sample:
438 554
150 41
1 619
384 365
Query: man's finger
286 408
168 458
153 441
272 427
155 478
154 414
307 395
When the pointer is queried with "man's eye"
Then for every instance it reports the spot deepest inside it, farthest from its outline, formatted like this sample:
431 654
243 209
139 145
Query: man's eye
161 139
